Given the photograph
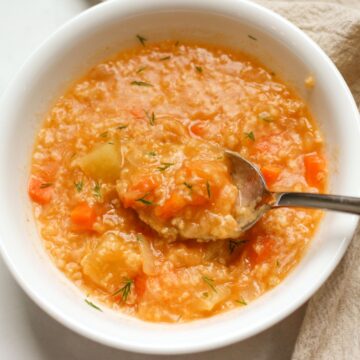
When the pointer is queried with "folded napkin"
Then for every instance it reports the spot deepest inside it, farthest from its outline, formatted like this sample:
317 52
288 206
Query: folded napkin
331 327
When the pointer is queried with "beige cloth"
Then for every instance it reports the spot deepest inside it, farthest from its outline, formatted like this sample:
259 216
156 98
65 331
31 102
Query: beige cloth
331 327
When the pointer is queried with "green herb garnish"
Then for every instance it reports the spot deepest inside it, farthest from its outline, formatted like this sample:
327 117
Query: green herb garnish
141 69
97 190
79 185
208 189
210 282
277 263
152 153
142 39
141 83
250 135
205 294
125 290
199 69
92 305
189 186
233 244
144 201
165 166
241 301
151 117
252 37
122 127
104 134
45 185
165 58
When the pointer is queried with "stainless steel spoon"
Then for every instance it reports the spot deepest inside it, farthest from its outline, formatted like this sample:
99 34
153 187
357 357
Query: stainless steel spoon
256 198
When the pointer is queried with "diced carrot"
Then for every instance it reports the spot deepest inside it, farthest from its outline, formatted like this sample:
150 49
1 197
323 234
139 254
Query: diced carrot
137 113
314 169
198 128
83 217
140 285
40 191
199 199
270 173
171 207
261 250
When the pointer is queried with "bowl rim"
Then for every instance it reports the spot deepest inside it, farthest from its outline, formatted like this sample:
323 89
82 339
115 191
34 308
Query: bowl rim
142 6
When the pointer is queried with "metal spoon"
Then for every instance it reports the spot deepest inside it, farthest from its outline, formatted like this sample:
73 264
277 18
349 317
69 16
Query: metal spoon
256 198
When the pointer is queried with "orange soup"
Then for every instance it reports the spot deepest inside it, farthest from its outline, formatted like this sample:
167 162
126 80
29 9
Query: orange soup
129 178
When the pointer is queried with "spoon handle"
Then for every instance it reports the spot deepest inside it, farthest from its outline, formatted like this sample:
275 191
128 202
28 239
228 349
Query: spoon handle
329 202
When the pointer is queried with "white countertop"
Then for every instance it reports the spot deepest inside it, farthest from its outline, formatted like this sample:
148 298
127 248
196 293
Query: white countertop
26 332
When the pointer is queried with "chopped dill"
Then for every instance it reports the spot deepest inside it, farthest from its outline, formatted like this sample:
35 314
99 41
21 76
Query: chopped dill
165 58
164 166
241 301
252 37
151 117
104 134
233 244
208 189
45 185
141 69
144 201
122 127
92 305
210 282
125 290
141 83
142 39
189 186
199 69
97 190
250 135
79 185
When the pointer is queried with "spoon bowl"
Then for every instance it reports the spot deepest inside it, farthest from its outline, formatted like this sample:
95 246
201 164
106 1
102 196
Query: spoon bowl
255 199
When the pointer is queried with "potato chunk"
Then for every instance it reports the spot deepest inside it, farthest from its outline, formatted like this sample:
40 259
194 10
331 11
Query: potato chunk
102 163
112 261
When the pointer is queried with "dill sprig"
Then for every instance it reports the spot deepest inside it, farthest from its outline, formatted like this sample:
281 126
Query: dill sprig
241 301
164 166
141 83
142 39
125 290
233 244
210 282
92 305
79 185
151 117
144 201
208 189
250 135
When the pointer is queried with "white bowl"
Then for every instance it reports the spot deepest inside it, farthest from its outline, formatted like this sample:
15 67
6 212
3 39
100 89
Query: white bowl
106 29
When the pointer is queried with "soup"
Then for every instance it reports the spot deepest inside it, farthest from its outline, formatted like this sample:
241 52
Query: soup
129 177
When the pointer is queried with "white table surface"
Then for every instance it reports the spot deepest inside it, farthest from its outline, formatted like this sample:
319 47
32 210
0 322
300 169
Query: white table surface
26 332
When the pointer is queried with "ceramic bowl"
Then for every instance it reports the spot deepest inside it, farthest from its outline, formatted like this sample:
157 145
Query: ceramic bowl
106 29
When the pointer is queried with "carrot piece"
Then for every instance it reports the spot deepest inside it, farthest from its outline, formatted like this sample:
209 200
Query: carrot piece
197 129
140 285
40 191
171 207
261 250
83 217
314 169
270 173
